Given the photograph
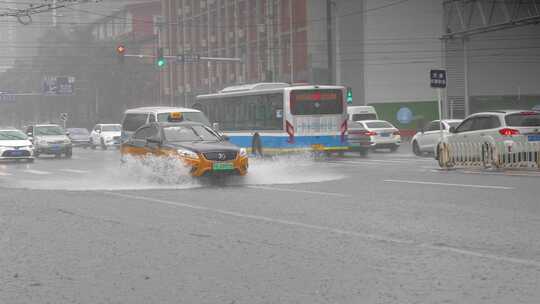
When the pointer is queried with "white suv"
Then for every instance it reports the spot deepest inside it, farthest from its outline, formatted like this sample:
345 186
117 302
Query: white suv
499 126
426 140
105 135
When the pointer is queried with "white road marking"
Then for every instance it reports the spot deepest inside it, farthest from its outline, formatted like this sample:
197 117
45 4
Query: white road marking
5 174
37 172
447 184
298 191
74 171
350 233
365 163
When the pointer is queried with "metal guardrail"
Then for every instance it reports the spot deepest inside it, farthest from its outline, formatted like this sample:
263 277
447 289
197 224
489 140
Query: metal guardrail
515 153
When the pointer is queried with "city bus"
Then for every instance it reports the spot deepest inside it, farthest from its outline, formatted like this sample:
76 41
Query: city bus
271 118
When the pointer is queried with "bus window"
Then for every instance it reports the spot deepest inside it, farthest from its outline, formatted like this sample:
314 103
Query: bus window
324 102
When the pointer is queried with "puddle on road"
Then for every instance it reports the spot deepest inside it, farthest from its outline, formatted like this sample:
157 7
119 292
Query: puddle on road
171 174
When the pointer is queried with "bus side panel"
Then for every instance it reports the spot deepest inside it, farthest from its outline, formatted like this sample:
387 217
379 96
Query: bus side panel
279 143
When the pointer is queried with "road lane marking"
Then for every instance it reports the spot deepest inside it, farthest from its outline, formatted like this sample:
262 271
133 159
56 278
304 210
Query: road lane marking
447 184
299 191
37 172
4 174
350 233
365 163
74 171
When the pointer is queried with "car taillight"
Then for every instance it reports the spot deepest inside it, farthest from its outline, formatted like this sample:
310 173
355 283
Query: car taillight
370 133
508 132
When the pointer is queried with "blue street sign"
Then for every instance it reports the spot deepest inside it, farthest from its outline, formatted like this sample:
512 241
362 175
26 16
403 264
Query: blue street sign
188 58
59 86
438 78
7 98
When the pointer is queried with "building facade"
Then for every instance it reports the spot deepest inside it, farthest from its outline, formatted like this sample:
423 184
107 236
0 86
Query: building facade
270 37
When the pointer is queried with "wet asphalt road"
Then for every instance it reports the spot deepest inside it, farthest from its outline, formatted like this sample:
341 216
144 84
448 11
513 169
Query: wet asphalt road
389 228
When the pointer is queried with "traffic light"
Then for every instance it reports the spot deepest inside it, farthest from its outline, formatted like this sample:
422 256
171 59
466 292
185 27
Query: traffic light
160 62
349 95
120 53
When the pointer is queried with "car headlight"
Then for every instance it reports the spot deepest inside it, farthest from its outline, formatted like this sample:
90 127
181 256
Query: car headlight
243 152
188 154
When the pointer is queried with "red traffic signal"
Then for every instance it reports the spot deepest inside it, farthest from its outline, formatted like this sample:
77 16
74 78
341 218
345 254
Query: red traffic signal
120 52
121 49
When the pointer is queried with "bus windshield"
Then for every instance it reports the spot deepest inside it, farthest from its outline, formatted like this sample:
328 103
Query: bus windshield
316 102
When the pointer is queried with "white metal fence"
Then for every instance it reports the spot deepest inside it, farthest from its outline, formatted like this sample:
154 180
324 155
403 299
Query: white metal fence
515 153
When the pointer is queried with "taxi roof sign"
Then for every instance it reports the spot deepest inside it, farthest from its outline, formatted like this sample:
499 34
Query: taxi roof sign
175 117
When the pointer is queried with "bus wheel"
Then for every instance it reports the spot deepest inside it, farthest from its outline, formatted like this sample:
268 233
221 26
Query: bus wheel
256 145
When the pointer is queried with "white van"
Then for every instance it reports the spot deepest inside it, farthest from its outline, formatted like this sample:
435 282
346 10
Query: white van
359 113
135 118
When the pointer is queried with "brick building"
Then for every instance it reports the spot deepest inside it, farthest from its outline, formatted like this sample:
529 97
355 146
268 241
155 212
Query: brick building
271 37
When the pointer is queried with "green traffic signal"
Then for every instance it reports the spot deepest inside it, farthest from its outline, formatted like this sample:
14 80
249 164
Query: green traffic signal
349 95
160 62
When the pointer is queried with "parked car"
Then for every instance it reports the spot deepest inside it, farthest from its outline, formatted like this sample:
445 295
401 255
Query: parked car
106 135
49 139
80 137
425 141
497 126
199 147
382 134
359 138
14 145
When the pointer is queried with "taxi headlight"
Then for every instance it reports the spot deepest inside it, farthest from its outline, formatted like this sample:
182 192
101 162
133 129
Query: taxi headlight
243 152
188 154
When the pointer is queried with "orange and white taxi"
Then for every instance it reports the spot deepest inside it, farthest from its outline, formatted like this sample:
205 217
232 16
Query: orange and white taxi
198 146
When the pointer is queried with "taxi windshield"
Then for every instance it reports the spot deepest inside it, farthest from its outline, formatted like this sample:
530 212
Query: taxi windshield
111 128
49 130
188 134
12 135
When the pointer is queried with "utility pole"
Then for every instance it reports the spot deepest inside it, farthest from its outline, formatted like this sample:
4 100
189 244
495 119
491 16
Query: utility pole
329 41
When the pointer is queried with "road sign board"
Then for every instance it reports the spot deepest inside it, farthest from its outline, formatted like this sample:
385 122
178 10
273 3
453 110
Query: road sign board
63 116
54 85
438 78
7 98
188 58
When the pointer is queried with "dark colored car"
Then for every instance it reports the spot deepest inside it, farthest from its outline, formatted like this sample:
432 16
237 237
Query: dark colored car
198 146
80 137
